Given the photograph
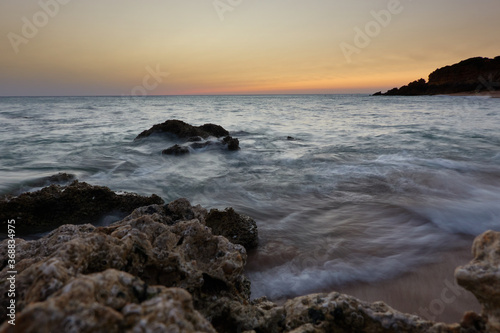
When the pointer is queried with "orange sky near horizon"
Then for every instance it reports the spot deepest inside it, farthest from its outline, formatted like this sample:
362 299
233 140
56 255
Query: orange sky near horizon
126 47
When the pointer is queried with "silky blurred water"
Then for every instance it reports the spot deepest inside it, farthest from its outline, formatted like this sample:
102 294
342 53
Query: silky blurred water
368 189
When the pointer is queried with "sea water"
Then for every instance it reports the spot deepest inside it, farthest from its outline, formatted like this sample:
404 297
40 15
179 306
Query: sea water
379 196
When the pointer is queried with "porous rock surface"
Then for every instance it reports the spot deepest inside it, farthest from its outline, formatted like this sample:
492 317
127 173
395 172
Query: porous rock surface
238 228
151 247
482 277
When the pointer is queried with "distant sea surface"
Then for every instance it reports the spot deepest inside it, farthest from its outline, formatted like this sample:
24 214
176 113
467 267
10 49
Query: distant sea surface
379 196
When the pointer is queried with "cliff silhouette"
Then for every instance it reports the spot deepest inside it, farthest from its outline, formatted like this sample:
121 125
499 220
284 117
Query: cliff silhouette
473 75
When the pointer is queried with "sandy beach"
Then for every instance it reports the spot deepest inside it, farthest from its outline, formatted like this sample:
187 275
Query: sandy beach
492 94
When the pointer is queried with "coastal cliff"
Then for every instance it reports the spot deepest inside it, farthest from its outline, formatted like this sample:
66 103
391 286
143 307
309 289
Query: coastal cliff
473 75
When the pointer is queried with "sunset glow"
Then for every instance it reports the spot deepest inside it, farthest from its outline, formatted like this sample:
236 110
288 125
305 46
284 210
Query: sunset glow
61 47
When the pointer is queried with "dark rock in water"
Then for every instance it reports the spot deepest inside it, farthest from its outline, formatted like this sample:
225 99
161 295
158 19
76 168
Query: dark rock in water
193 134
214 130
290 138
60 178
232 143
76 203
176 150
183 130
238 228
199 145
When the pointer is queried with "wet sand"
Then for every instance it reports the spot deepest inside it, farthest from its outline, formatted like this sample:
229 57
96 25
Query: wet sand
493 94
429 292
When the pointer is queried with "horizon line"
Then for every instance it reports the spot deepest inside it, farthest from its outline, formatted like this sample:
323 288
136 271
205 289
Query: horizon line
187 95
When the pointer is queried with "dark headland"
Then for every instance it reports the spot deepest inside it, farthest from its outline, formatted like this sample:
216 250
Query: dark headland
472 76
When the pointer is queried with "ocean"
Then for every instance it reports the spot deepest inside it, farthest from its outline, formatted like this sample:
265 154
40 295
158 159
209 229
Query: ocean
379 197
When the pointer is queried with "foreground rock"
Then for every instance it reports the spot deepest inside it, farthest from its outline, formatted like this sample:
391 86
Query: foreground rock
75 276
482 277
473 75
76 203
161 269
192 137
113 301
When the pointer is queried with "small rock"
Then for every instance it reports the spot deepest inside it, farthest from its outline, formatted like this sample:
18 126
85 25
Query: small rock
232 143
237 228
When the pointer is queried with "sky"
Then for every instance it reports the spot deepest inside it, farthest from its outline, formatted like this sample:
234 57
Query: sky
177 47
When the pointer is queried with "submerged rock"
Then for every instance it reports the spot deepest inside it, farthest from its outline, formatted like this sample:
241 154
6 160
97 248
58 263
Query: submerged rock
482 277
176 150
193 137
238 228
184 131
76 203
61 178
232 143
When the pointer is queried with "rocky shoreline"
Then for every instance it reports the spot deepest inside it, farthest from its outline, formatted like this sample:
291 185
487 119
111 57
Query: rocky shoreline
179 268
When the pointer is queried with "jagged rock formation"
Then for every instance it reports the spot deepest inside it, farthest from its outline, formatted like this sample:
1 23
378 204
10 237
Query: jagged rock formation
113 301
76 203
162 269
482 277
472 75
76 271
239 229
194 137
